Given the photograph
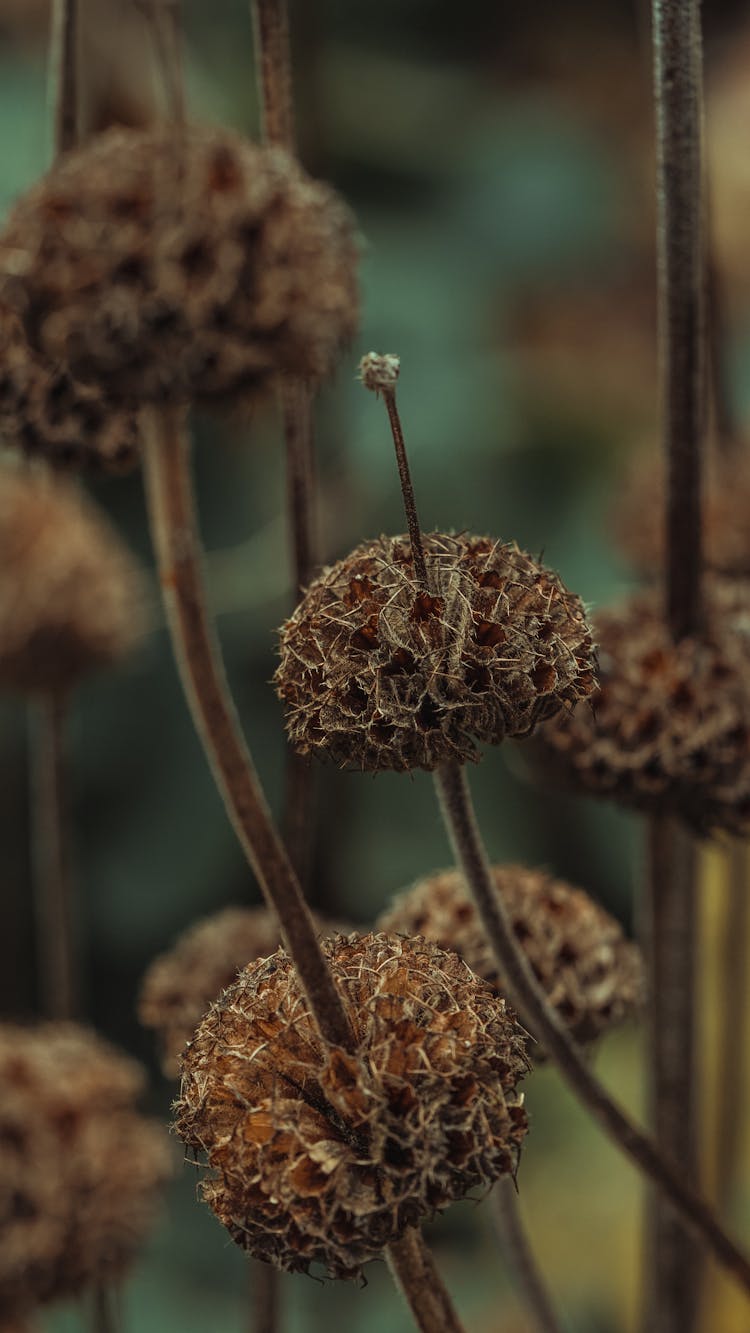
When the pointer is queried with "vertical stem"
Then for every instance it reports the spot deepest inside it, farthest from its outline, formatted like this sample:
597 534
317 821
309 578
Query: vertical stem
52 893
538 1015
520 1259
63 74
419 1280
271 27
734 1026
264 1297
407 489
725 424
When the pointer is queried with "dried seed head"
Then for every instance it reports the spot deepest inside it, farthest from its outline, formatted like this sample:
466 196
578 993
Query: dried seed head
592 975
80 1168
191 265
319 1156
378 674
379 371
70 593
639 516
670 729
180 985
45 413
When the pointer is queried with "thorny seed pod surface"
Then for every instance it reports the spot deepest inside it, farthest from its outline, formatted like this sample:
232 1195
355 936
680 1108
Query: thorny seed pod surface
670 727
80 1169
378 674
45 413
71 595
319 1156
173 264
592 974
180 985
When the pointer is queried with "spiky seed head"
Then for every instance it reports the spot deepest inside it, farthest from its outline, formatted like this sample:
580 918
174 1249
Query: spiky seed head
376 673
592 975
318 1156
379 371
182 265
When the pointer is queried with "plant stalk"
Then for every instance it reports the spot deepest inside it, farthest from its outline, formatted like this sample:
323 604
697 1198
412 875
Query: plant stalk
538 1015
418 1278
520 1258
407 489
271 30
56 953
63 74
734 1026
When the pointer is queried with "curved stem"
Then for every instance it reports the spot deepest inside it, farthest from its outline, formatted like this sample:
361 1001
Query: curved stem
177 543
63 74
407 489
56 959
520 1258
734 1025
536 1013
419 1280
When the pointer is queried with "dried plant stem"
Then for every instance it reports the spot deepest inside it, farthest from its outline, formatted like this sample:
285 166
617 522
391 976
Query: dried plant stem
52 892
271 27
264 1297
407 489
104 1310
520 1258
63 74
734 1026
527 995
421 1284
725 424
178 548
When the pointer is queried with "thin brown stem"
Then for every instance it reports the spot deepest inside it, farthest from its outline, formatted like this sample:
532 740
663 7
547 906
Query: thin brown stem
418 1278
407 489
165 20
734 1026
63 72
296 412
673 1256
520 1258
538 1015
264 1297
271 27
56 958
177 544
725 424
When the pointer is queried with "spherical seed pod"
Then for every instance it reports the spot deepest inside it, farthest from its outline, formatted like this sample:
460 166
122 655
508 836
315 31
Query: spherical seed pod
378 674
45 413
592 975
670 728
71 595
322 1157
191 264
81 1169
180 985
639 515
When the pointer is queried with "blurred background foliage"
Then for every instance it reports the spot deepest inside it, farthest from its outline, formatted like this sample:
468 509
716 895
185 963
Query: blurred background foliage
499 159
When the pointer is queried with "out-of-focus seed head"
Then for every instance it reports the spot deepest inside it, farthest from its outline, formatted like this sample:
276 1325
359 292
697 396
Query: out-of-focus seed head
592 975
180 985
80 1169
379 371
170 265
670 729
376 673
322 1157
45 413
71 595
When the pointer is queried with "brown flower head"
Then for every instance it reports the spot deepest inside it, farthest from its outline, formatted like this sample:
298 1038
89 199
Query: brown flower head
592 975
670 727
180 985
45 413
81 1168
376 673
170 265
70 592
319 1156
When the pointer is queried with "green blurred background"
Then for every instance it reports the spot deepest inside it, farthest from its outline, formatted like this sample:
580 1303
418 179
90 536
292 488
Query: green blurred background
499 160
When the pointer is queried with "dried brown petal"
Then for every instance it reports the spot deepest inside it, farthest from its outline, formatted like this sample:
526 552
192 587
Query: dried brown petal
180 985
670 727
319 1156
592 975
170 265
378 674
71 598
80 1168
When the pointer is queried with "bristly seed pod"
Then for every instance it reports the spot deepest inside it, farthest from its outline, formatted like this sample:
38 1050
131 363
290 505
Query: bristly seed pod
322 1157
172 265
377 673
80 1169
71 595
592 974
670 730
180 985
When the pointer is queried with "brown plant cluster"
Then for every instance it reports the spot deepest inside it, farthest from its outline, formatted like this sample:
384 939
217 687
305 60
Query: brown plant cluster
180 985
592 975
670 728
71 595
168 265
81 1169
319 1156
377 673
45 413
